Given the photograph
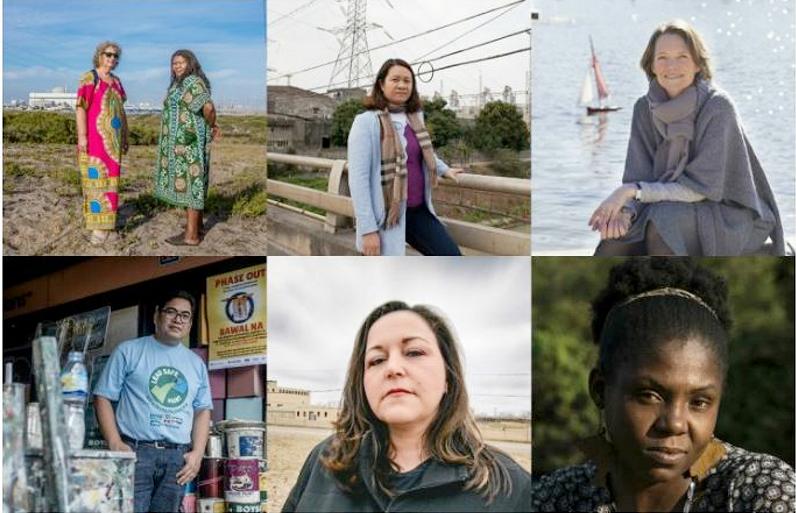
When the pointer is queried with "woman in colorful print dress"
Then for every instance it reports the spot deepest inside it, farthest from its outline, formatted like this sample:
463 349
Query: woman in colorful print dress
187 127
101 140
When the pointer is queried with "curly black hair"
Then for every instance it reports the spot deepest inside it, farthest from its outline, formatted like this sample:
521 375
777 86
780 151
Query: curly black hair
619 327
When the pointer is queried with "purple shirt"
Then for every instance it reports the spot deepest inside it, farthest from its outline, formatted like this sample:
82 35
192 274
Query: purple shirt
414 166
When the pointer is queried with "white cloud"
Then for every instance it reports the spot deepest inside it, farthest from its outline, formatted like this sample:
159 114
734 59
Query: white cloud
315 307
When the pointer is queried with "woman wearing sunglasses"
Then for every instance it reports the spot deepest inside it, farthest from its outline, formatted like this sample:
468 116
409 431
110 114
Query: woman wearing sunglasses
188 125
101 140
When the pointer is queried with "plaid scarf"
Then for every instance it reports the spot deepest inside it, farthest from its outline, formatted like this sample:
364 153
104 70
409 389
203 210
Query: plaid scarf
393 162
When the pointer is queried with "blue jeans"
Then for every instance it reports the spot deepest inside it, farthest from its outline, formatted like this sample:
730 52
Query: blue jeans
156 487
426 234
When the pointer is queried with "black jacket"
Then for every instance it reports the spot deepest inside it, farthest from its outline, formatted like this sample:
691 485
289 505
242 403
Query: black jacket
439 490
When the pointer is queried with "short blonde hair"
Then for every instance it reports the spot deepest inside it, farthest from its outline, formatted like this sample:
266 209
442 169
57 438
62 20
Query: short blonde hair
101 48
696 45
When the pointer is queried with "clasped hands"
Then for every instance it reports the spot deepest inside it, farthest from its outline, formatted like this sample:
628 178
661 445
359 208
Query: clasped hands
609 218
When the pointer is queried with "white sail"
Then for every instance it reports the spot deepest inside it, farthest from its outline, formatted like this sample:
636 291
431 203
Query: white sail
586 93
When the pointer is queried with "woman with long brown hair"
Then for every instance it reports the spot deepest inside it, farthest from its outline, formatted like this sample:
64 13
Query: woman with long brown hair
405 438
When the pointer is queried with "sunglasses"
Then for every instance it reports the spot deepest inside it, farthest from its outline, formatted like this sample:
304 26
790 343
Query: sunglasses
111 55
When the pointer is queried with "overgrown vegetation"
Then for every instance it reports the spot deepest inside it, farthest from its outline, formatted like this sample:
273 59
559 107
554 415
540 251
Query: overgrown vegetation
59 128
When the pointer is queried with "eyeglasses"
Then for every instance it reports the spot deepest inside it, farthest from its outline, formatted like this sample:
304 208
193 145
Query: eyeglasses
184 316
111 55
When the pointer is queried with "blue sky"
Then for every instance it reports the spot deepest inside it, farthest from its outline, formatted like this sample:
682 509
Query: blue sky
49 43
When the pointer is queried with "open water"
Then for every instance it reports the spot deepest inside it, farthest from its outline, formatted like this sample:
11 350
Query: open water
577 161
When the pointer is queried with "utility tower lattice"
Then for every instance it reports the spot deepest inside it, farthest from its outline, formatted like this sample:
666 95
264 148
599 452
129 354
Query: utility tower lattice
353 60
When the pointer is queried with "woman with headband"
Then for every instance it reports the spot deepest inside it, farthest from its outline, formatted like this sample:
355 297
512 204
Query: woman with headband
662 330
392 168
692 183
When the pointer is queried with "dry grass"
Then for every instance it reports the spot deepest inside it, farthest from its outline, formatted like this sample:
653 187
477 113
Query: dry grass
42 203
288 448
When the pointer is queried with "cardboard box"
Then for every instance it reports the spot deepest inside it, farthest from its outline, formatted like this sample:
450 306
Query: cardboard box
218 411
218 383
246 381
244 408
201 351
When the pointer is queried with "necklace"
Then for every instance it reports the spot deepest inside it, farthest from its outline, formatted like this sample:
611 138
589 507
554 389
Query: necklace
689 500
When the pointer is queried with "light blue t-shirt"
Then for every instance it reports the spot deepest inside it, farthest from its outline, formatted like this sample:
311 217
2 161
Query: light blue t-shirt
158 388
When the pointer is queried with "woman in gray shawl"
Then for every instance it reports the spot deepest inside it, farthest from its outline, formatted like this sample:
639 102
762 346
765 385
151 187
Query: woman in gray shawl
692 183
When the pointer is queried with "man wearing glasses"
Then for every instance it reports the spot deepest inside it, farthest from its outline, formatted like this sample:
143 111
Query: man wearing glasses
164 403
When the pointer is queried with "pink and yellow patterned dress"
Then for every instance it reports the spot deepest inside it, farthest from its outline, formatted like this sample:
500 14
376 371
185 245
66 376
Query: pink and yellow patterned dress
100 166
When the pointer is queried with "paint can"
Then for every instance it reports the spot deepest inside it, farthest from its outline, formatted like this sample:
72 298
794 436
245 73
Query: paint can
235 507
263 467
212 506
213 449
188 504
242 481
211 478
245 439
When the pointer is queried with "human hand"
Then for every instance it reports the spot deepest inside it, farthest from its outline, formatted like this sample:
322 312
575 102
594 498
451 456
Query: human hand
371 244
125 146
82 143
193 462
617 226
612 206
119 446
215 133
453 173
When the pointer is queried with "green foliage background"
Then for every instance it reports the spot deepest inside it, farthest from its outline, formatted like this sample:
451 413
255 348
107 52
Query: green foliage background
500 125
59 128
757 411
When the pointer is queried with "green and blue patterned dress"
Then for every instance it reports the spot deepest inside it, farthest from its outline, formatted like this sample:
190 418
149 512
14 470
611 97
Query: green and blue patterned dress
183 161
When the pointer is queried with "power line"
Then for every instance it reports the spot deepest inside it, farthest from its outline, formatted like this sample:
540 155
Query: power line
490 20
291 13
418 61
497 56
473 61
447 25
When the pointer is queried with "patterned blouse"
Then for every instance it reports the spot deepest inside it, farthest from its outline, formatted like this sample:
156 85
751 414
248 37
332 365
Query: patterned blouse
740 481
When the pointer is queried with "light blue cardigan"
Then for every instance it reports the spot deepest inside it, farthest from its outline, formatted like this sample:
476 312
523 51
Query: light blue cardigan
364 180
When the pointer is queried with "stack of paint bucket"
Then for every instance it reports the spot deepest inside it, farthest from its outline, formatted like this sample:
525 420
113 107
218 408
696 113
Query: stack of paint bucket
211 478
235 483
189 498
246 464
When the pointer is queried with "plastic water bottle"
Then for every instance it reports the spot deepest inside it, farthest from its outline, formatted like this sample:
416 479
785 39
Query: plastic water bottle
74 387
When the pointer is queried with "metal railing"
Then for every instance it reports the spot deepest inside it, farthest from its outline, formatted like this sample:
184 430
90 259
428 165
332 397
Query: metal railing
336 201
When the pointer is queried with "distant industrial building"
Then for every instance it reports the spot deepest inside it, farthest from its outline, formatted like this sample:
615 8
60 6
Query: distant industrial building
292 407
57 97
298 118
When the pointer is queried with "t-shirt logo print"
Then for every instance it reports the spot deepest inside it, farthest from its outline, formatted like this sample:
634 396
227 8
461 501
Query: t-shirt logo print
168 387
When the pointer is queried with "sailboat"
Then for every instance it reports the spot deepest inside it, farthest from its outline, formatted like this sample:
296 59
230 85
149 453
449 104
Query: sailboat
586 92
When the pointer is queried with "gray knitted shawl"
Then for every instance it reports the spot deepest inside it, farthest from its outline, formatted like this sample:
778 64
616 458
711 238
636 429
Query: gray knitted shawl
718 163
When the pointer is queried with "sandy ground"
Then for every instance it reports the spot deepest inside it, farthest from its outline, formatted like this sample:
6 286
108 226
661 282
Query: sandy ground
42 204
288 447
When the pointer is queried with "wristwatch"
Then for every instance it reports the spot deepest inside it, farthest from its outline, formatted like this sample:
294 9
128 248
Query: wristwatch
637 196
